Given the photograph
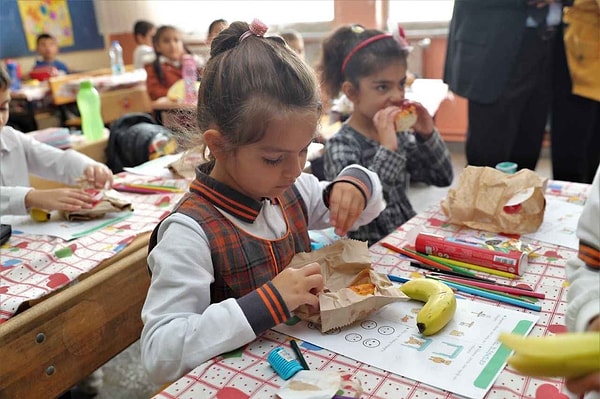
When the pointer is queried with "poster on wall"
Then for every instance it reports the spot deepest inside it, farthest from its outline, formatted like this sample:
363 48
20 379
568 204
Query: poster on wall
46 16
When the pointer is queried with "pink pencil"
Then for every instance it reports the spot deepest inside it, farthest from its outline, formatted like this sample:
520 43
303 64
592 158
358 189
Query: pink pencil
499 288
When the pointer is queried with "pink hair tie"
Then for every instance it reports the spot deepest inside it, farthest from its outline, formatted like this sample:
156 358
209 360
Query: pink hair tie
257 28
363 44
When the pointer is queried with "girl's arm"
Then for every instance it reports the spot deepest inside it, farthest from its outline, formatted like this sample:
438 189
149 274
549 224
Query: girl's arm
311 190
343 150
428 160
182 329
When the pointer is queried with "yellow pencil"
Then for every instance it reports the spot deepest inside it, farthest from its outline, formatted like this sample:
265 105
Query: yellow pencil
476 267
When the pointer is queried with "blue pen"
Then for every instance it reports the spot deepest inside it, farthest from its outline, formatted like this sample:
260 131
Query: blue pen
492 296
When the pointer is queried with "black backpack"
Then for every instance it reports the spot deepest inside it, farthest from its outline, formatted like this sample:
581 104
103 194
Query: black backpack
136 138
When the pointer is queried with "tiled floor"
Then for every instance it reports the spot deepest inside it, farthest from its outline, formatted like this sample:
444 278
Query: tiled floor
124 377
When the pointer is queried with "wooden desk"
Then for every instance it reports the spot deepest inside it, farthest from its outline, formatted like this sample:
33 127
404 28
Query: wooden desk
51 346
246 372
51 338
119 94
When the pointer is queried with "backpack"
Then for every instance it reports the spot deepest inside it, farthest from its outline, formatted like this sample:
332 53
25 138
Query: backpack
136 138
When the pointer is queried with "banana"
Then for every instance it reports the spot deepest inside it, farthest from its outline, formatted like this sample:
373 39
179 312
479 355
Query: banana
39 215
563 355
440 303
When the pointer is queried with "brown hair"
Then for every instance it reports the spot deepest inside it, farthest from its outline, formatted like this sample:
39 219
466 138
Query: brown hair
364 62
246 83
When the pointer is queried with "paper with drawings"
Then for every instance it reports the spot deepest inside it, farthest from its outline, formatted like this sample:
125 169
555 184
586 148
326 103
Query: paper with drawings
58 227
464 358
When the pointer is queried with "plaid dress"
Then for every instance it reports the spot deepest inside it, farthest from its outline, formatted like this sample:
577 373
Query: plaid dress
243 262
415 160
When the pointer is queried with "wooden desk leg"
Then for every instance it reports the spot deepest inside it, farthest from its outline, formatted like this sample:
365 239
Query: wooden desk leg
56 343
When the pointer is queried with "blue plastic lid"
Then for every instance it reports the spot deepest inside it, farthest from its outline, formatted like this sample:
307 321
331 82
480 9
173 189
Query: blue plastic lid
283 363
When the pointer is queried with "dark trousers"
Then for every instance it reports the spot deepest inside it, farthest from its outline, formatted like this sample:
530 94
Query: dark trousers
575 126
512 128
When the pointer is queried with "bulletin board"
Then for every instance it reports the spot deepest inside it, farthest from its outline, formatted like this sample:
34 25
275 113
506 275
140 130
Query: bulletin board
75 19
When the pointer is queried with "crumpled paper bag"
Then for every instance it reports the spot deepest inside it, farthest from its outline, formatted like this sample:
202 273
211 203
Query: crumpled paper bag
345 263
108 203
490 200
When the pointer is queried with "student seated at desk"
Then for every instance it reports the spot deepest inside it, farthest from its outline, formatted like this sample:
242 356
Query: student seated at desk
47 49
583 272
370 68
143 32
165 70
21 155
218 261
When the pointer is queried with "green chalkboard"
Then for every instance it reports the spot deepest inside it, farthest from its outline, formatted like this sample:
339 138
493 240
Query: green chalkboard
83 20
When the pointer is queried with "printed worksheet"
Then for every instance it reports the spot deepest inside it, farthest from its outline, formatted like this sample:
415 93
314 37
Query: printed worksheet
464 358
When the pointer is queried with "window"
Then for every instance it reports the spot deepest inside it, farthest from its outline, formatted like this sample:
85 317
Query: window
420 11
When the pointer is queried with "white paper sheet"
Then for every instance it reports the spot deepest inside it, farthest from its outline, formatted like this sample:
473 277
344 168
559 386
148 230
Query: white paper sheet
157 167
464 358
57 227
560 223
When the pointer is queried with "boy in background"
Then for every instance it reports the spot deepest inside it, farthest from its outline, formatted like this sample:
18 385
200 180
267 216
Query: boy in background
47 49
143 31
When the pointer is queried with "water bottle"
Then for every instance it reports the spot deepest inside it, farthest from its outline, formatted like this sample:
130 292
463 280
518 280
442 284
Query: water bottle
88 102
190 76
13 72
116 58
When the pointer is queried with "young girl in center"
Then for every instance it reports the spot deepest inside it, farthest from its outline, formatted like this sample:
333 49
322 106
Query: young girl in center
218 262
369 67
166 69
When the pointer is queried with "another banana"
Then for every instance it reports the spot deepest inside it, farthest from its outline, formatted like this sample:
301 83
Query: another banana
563 355
440 303
39 215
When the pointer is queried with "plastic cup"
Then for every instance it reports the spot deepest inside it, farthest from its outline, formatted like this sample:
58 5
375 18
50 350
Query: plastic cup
507 167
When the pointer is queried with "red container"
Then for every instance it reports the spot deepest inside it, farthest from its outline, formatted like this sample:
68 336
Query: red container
508 260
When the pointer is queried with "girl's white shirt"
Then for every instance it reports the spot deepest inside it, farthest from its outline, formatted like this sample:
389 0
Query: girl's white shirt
21 155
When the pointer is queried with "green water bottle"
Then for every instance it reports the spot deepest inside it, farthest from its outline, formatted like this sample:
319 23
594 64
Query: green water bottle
88 102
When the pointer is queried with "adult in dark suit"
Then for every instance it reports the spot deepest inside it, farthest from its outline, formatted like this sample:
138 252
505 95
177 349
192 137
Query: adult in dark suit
498 57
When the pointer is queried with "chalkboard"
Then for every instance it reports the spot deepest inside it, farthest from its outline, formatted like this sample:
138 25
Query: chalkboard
83 20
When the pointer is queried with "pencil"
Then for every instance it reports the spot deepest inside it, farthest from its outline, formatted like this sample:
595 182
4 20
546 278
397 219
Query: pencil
503 294
416 256
493 296
495 287
298 353
454 267
478 268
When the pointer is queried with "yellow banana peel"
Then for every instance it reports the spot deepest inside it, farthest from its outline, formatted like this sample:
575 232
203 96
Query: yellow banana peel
563 355
39 215
440 303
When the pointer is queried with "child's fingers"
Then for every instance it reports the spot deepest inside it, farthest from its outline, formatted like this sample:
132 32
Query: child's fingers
587 383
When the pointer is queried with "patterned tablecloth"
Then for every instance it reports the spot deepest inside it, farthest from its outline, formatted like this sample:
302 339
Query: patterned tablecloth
32 266
245 373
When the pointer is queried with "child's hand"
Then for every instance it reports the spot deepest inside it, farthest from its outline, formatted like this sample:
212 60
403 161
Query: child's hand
346 203
590 382
299 286
424 125
98 175
386 129
62 199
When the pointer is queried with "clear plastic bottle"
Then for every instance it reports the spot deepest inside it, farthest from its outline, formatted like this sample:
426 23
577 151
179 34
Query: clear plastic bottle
116 58
88 102
13 71
189 73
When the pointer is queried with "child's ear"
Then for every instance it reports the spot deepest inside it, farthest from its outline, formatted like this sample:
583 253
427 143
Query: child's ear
349 90
215 142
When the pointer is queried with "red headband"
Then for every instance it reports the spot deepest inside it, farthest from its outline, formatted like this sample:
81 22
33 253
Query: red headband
362 44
